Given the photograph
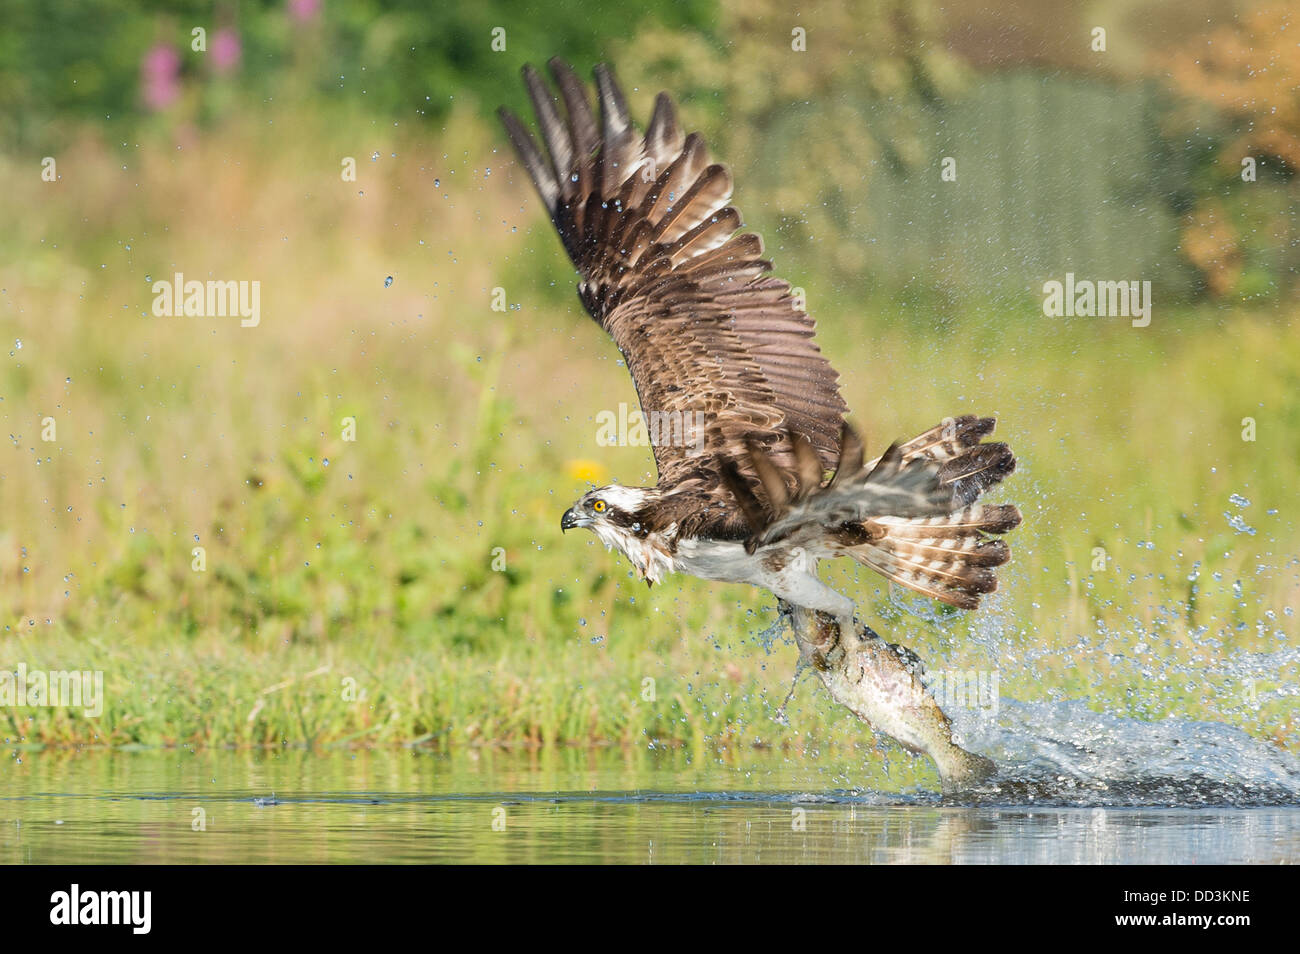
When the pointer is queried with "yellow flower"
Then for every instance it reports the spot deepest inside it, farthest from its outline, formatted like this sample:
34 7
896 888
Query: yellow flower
589 471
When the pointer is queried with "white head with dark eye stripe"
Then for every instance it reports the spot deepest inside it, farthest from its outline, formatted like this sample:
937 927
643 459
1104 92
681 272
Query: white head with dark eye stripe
613 513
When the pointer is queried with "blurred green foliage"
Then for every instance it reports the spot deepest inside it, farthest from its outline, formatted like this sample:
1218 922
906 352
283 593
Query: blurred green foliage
65 60
1067 159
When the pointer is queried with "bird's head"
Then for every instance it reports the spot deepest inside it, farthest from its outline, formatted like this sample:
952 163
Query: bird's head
613 513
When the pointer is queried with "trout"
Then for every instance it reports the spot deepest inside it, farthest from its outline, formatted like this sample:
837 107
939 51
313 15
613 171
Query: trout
881 684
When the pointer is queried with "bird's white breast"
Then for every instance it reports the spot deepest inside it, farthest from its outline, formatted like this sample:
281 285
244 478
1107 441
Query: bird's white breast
724 560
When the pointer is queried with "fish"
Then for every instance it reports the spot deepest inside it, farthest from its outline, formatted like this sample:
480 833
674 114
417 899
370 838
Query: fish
881 683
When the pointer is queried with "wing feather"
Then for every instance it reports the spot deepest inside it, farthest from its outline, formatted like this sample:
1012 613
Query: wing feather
708 334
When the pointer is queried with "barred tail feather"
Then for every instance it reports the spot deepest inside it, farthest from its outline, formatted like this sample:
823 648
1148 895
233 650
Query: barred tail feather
912 514
948 558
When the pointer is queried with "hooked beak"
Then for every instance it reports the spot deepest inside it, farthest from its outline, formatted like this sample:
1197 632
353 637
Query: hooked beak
569 520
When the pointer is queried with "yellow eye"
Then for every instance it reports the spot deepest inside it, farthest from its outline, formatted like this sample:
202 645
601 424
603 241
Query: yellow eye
598 506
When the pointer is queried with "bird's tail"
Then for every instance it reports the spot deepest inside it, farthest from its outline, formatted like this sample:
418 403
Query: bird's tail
912 514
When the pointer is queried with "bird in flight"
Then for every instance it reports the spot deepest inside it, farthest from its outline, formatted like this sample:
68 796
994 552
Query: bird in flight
760 477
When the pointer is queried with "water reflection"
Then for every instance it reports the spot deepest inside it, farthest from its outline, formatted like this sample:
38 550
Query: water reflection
598 806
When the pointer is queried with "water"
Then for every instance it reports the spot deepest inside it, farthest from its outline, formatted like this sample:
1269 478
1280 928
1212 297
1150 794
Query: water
610 806
1065 753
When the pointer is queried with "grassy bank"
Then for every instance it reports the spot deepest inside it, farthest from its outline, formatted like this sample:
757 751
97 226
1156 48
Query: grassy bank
412 585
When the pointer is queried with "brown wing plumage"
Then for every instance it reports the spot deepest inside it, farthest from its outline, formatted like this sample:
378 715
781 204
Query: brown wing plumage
709 337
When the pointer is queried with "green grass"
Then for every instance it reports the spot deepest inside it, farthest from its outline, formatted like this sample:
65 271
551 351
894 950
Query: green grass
375 572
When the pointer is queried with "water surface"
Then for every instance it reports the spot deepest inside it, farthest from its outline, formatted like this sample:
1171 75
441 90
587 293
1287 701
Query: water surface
595 806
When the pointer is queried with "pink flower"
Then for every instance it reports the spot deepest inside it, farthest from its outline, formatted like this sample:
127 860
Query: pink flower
160 76
304 10
225 50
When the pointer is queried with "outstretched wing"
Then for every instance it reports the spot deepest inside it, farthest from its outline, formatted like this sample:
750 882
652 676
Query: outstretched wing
721 354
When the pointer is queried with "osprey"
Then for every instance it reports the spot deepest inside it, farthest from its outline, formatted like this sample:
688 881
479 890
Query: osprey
759 475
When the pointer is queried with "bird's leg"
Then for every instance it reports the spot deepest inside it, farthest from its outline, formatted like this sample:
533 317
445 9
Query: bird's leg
834 631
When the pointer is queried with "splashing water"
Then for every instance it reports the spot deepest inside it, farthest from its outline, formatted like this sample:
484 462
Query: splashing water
1064 753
